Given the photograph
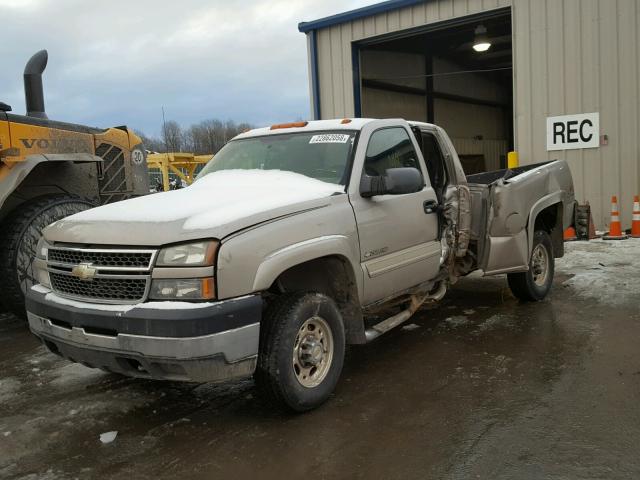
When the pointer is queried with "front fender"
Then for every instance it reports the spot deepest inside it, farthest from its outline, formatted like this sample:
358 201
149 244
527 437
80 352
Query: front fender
251 260
285 258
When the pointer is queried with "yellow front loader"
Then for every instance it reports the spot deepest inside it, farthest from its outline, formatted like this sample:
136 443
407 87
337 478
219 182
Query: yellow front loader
51 169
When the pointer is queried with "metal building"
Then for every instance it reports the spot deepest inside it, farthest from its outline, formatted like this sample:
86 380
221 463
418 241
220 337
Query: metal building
548 59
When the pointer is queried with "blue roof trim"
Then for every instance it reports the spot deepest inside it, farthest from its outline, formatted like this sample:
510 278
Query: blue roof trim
382 7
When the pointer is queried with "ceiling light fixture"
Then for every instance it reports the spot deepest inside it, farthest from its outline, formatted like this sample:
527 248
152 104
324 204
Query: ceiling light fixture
481 41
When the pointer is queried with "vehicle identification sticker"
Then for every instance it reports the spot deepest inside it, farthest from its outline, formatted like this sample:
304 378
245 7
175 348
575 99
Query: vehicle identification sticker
330 138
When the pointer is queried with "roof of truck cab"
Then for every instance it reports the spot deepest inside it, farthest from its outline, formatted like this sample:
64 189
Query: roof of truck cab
421 124
312 126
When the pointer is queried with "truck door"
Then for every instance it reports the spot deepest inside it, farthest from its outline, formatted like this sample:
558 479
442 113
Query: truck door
399 244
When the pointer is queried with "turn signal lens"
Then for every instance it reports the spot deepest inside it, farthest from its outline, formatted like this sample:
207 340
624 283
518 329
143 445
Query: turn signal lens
208 288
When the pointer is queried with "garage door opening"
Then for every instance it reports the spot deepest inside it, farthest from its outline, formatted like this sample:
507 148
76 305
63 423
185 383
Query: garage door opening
436 75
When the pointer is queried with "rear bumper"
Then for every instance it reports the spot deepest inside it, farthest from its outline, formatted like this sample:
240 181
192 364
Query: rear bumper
212 342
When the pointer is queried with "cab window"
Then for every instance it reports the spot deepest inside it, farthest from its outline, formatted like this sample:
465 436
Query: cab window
389 148
435 161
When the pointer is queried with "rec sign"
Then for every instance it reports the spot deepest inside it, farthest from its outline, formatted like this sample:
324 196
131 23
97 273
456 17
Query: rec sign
568 132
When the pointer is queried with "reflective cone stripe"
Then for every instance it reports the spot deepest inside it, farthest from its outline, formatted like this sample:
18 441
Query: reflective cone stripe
615 228
635 218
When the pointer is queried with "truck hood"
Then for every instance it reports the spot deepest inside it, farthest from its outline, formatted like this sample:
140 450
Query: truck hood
215 206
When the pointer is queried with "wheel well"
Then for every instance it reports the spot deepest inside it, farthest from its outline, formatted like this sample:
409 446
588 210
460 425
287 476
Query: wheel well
77 179
550 220
334 277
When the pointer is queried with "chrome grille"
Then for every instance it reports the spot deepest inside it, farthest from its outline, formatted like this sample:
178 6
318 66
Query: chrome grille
100 275
101 258
112 289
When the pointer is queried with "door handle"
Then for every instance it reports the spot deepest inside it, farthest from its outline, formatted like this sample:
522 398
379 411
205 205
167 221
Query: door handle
430 206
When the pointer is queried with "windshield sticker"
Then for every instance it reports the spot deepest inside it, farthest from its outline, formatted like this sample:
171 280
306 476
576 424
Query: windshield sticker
330 138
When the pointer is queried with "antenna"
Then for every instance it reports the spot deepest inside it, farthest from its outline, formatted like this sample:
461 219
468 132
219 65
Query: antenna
164 129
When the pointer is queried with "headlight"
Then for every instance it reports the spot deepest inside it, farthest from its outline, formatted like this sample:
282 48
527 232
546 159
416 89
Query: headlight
182 289
198 254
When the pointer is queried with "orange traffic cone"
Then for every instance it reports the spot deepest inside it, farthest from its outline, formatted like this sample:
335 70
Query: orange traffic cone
570 234
615 228
635 219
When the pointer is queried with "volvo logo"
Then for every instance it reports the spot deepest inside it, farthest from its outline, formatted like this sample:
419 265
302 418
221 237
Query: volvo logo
84 271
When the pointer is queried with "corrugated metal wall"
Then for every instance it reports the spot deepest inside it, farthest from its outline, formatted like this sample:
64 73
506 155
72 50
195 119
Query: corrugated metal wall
570 56
579 56
334 45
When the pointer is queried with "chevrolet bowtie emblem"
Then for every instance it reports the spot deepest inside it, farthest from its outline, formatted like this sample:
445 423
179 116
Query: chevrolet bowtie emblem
84 271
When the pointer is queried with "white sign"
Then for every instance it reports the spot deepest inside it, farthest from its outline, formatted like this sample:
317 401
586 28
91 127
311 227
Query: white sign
330 138
568 132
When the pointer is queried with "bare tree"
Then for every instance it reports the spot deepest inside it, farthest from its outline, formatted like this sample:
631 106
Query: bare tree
173 136
150 143
205 137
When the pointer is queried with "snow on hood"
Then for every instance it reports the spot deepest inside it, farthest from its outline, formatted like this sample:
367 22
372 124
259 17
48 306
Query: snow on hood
217 199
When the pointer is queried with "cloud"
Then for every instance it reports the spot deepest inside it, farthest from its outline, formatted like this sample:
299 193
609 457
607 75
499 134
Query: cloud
120 62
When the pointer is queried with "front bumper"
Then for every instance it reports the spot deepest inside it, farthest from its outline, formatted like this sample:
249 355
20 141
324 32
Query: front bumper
169 341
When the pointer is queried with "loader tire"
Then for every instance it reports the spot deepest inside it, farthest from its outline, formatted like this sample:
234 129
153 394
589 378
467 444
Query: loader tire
302 346
534 284
19 236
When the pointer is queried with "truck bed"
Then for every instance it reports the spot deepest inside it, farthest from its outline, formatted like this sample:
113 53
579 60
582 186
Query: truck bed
487 178
501 203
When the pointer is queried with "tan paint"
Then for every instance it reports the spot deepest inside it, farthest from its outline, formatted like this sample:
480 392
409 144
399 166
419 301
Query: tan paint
385 264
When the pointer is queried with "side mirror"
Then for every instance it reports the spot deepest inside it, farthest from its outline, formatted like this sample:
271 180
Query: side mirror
397 181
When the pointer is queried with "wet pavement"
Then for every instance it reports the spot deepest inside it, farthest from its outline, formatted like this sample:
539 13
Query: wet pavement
480 386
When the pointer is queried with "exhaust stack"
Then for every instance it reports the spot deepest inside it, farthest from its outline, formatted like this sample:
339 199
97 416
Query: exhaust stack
33 91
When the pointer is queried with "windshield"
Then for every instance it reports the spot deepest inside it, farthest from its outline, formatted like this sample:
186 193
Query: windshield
320 155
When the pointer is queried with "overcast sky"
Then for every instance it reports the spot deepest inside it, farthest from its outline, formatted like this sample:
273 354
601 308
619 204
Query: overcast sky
118 62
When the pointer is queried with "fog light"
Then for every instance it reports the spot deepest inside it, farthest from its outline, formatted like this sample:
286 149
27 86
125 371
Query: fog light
182 289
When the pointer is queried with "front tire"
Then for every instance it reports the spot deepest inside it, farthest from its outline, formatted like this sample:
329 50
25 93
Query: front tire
19 237
302 347
534 285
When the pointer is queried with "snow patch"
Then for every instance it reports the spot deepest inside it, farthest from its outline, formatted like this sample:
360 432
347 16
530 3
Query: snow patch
40 288
8 388
52 297
169 305
108 437
606 271
215 199
495 321
410 327
456 321
70 375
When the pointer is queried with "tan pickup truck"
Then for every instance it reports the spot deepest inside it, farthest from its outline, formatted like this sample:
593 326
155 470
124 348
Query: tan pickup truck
293 242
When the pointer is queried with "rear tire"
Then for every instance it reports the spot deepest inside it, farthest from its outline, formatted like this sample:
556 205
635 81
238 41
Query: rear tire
534 285
302 346
19 236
